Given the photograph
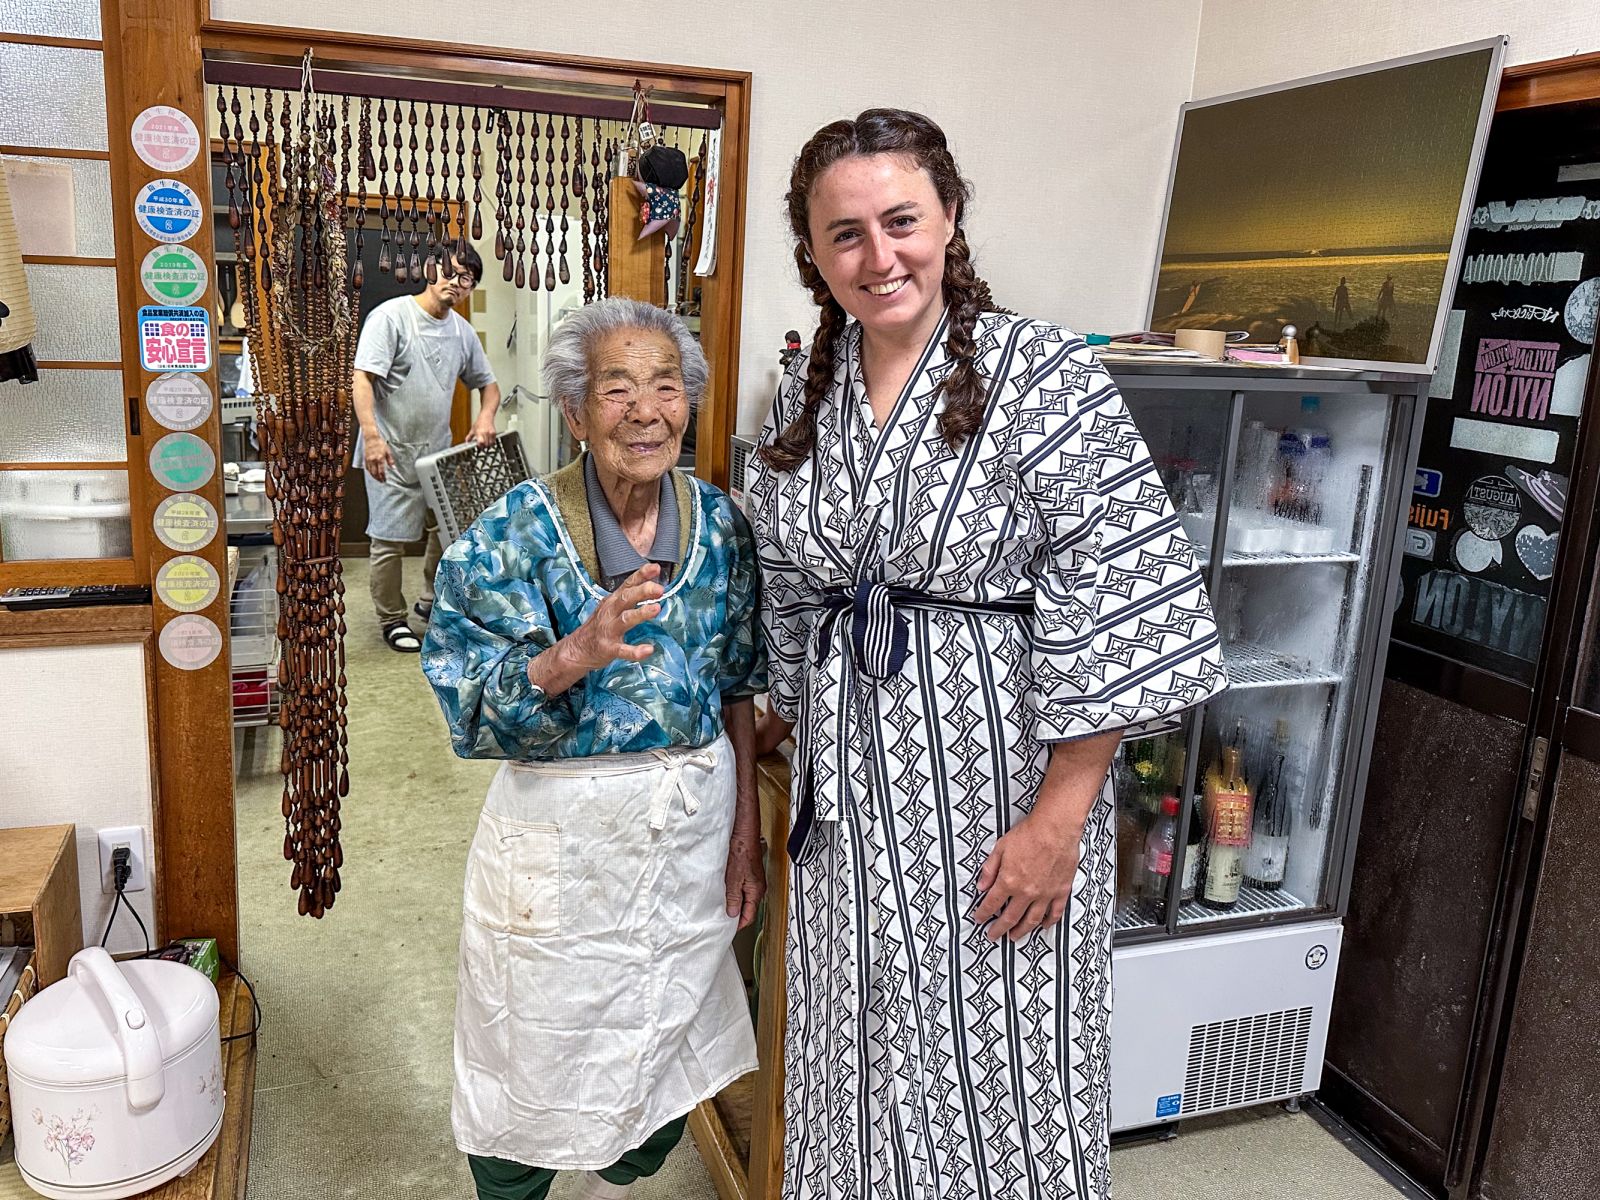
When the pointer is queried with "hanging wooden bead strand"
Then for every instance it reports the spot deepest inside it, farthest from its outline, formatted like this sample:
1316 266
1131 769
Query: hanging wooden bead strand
522 203
502 193
384 262
430 256
477 176
302 344
413 190
602 211
549 203
461 182
535 208
366 170
686 238
580 184
566 193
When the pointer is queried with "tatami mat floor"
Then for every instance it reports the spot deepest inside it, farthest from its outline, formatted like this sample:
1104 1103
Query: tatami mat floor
353 1079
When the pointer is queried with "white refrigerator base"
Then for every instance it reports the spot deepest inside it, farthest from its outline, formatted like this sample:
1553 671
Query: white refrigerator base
1205 1024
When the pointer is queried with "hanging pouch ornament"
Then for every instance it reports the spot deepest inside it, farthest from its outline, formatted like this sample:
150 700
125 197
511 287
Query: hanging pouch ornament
660 171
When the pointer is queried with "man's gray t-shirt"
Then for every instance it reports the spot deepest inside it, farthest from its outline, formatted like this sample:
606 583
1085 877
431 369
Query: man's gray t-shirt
414 360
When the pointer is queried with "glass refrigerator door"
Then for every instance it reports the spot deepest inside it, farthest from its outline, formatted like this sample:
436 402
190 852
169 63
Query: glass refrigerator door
1299 538
1187 432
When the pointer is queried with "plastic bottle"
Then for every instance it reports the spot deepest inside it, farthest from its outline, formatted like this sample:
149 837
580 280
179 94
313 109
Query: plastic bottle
1159 845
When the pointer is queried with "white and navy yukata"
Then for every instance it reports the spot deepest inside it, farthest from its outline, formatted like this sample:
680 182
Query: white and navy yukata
935 619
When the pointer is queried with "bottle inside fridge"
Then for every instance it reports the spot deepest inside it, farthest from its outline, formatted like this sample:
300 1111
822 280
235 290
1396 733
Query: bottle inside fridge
1147 772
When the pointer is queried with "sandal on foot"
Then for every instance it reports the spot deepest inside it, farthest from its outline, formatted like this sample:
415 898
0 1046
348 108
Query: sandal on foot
399 637
423 609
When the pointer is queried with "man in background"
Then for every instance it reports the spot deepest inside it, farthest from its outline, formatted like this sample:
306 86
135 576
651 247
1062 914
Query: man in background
412 351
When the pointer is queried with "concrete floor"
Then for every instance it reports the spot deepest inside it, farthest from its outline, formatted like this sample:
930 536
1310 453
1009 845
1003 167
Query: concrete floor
353 1080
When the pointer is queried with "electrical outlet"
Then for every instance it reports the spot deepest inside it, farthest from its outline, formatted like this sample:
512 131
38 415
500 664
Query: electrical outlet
131 836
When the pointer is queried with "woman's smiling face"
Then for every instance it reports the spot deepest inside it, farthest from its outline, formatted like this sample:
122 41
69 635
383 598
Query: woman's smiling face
878 235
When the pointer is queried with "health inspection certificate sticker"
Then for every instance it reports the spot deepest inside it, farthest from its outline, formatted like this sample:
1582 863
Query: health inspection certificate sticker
178 401
173 275
187 583
168 210
185 521
181 462
165 138
190 642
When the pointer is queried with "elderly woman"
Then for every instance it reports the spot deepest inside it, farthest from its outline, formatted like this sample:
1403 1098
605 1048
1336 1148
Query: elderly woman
597 629
975 587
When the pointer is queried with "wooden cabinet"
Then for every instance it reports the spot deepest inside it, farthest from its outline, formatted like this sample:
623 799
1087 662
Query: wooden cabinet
39 887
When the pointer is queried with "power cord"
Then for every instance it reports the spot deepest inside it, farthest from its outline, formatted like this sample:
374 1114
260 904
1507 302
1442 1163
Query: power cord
121 872
255 1005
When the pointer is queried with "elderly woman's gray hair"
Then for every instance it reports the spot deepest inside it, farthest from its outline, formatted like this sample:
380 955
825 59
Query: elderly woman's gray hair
566 359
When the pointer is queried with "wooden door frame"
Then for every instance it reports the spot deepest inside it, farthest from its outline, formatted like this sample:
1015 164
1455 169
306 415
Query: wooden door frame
154 54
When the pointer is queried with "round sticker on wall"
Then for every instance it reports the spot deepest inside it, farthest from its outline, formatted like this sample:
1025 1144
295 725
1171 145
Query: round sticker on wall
167 210
181 462
190 642
185 521
165 138
1492 507
187 583
178 401
173 275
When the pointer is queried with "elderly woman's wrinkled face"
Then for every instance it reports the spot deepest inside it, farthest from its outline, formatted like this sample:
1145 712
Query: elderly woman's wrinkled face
636 410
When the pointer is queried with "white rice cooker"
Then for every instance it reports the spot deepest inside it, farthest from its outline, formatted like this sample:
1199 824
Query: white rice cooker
116 1077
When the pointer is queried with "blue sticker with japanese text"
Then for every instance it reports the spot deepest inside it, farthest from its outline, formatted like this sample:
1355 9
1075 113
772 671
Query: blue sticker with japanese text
1169 1106
168 210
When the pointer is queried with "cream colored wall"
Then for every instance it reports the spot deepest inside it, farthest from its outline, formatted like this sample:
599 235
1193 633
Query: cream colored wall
1242 45
76 750
1062 114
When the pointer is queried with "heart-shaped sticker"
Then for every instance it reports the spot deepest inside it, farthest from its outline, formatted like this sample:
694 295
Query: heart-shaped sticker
1537 550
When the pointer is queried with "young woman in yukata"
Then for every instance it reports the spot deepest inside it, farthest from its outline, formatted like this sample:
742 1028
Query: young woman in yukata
973 587
597 629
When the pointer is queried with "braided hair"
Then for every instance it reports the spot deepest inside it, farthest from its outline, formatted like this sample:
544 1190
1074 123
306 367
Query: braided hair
915 138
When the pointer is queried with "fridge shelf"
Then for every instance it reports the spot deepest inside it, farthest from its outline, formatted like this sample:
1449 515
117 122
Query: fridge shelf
1242 558
1253 902
1254 666
1135 916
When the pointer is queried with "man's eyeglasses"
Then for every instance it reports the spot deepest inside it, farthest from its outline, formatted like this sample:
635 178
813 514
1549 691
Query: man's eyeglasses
465 278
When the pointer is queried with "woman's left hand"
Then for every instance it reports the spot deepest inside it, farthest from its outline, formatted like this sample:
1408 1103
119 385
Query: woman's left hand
1026 883
746 877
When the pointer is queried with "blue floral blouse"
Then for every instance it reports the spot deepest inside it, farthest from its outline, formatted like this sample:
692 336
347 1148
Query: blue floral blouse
514 583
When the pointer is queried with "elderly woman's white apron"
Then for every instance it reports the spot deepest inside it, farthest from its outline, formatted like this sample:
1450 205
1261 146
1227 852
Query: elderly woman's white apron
598 996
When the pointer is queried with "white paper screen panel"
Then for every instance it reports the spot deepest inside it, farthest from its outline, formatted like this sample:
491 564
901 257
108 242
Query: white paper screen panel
55 97
62 205
76 750
77 312
51 18
65 416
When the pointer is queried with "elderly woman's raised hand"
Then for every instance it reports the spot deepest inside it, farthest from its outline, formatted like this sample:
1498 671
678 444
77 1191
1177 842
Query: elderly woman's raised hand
601 640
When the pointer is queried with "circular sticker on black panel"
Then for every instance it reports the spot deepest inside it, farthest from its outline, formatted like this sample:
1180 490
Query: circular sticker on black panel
1492 507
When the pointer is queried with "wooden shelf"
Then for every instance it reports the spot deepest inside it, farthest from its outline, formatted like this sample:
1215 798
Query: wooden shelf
112 619
39 877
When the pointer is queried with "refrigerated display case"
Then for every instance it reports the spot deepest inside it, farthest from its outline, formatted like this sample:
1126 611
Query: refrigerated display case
1236 833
